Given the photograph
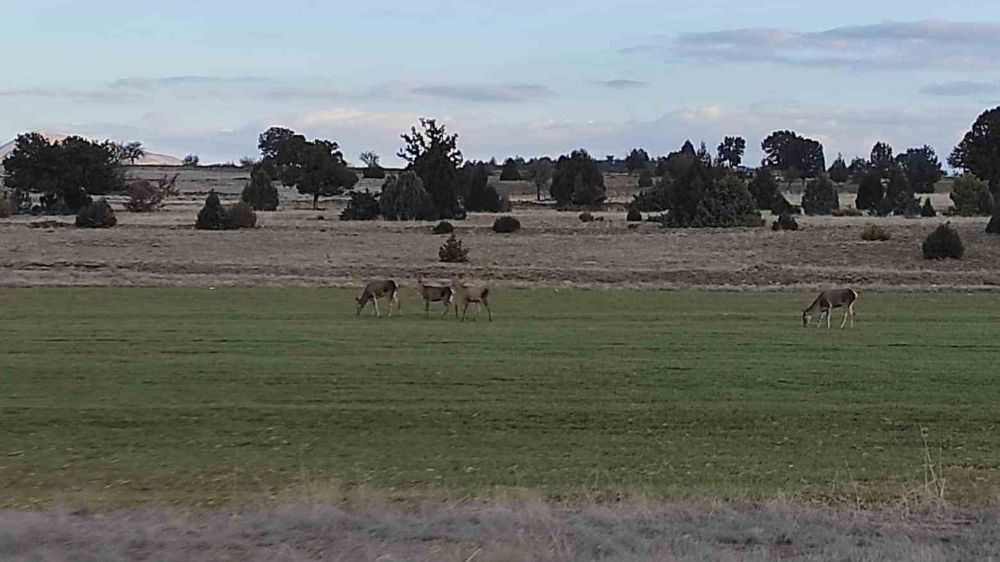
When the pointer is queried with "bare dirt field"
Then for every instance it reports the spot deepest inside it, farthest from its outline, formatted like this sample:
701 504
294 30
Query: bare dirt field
296 246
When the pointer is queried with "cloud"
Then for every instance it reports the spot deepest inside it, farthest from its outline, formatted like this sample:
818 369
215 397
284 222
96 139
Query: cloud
622 84
889 45
482 92
960 89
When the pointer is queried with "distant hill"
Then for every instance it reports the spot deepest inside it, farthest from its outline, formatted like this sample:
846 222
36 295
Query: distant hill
151 158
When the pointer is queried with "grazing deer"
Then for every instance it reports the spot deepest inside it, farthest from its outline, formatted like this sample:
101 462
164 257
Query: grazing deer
436 292
826 302
387 289
471 294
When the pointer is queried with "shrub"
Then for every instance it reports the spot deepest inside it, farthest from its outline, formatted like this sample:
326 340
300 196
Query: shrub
506 224
376 173
943 243
453 252
240 215
967 194
146 196
404 198
875 233
260 192
210 217
927 210
510 171
653 200
820 197
363 206
785 222
645 178
634 215
586 217
443 227
905 204
97 214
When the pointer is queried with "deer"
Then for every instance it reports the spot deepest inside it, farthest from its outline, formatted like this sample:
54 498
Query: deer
387 289
436 292
826 302
467 293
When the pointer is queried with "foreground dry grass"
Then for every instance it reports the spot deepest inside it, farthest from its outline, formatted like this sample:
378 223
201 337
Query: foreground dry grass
501 531
301 247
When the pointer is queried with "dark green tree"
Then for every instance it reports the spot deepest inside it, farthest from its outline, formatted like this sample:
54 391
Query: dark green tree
858 169
482 197
540 171
212 215
881 158
67 173
785 150
577 180
838 171
433 155
871 193
260 193
979 151
705 195
637 160
820 197
645 178
922 168
510 171
404 198
731 150
968 193
191 161
764 189
899 197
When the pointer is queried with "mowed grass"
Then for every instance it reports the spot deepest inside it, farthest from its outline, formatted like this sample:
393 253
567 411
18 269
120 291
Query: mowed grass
186 396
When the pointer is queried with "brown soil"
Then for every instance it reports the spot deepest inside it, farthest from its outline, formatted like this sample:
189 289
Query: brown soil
294 247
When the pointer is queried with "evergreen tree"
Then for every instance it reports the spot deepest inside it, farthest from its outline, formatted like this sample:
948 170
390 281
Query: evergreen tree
820 197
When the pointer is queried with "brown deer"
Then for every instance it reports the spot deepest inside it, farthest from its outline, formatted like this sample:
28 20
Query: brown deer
826 302
387 289
466 293
435 291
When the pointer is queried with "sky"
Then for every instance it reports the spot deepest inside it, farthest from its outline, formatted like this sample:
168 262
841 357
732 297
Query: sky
511 77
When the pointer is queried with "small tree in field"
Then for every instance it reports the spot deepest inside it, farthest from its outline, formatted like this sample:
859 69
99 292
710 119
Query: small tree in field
260 193
927 210
540 171
191 161
211 216
404 198
453 252
820 197
433 155
871 193
577 180
838 171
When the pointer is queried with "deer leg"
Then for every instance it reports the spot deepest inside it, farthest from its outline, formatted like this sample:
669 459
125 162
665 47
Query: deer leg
375 302
447 306
829 313
851 308
399 305
488 313
465 310
847 313
819 321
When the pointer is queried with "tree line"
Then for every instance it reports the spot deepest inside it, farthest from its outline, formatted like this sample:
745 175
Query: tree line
694 186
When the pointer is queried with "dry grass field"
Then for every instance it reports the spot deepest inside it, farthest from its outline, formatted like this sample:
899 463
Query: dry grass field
297 246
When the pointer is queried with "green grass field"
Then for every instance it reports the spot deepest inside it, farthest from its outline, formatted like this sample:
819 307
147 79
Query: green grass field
120 397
